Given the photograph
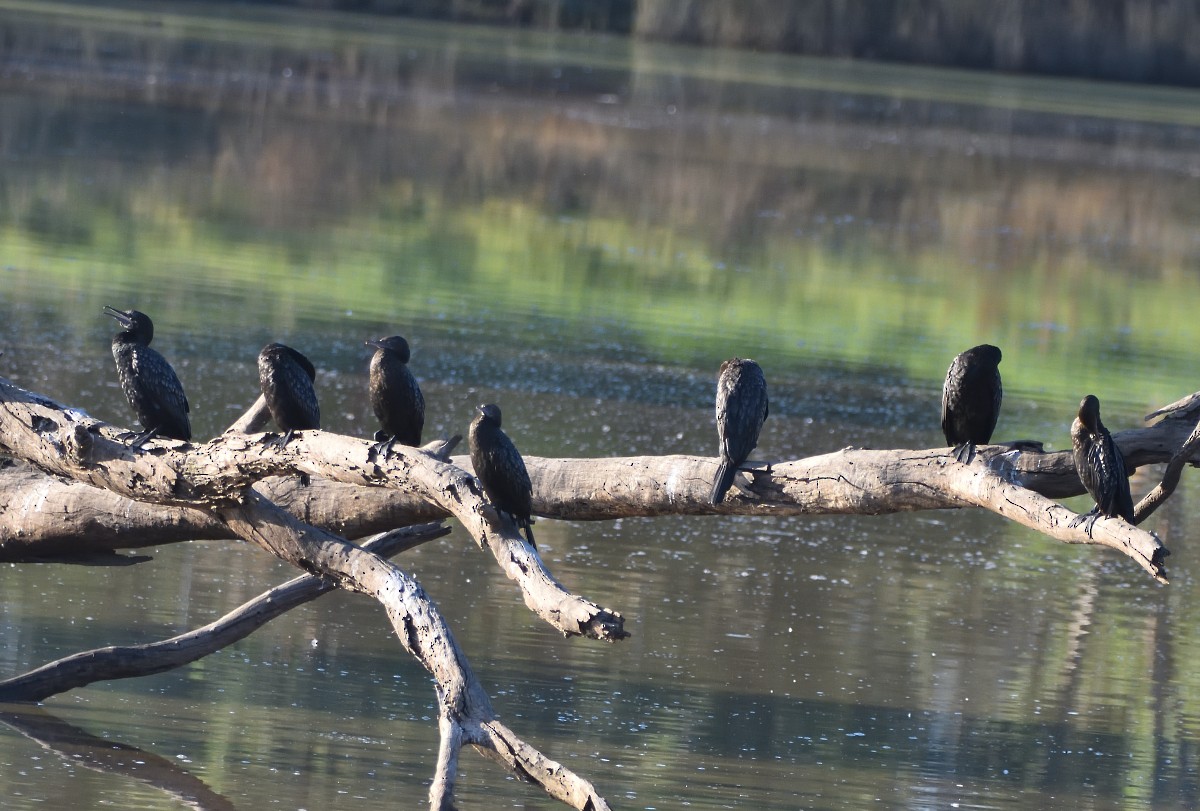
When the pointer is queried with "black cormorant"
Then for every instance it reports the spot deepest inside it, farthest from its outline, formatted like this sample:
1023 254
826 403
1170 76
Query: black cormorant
395 396
971 400
500 468
286 378
741 411
150 384
1100 465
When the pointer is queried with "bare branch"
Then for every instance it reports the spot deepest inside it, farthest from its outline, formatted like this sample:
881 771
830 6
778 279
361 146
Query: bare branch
44 518
216 474
216 478
463 704
129 661
532 765
1155 498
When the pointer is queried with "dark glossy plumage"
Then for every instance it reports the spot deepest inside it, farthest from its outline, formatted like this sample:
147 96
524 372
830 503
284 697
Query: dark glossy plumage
286 378
741 411
971 399
500 468
1100 465
150 384
395 396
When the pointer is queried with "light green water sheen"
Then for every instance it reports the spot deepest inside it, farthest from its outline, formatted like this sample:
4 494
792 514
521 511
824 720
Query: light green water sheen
581 230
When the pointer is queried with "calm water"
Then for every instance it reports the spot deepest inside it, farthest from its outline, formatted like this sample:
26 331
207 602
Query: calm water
581 229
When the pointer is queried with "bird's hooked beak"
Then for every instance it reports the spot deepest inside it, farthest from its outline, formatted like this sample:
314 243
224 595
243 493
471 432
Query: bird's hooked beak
124 320
375 343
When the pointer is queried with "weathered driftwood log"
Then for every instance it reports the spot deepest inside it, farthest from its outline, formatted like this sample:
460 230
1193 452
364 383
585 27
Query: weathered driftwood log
847 481
217 478
465 714
49 518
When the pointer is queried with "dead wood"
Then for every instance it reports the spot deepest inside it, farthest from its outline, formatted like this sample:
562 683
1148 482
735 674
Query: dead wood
209 479
50 518
300 501
847 481
217 480
131 661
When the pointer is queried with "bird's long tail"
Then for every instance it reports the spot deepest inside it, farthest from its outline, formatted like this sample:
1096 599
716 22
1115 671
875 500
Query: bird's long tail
723 482
528 527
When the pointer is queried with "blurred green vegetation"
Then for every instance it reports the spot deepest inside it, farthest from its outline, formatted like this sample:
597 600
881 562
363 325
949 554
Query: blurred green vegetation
318 170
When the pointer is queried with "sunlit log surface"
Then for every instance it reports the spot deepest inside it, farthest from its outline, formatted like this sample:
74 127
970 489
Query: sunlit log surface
211 480
71 517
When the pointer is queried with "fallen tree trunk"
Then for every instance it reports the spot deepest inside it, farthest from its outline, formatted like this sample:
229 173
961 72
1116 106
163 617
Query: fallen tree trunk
42 517
346 495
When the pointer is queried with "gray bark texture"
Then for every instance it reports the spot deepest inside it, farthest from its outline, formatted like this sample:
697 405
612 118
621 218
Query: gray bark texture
71 490
344 492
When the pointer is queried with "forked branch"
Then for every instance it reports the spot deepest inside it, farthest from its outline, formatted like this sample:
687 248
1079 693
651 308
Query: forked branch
208 479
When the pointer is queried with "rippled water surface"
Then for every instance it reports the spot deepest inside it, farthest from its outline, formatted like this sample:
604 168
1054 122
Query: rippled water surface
581 230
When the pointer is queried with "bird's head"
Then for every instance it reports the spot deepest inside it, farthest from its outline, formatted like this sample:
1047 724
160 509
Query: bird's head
490 412
989 353
275 353
134 323
1089 412
394 344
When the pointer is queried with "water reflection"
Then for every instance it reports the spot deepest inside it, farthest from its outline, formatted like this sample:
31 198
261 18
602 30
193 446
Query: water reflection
523 180
581 230
74 745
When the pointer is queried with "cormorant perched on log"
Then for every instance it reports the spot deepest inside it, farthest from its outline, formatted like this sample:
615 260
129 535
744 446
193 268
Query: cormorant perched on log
741 411
395 396
1100 465
286 378
500 468
971 400
150 384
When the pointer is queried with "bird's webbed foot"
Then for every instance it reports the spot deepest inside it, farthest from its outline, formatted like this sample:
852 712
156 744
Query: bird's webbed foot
382 446
755 467
749 471
134 440
1088 519
965 452
280 440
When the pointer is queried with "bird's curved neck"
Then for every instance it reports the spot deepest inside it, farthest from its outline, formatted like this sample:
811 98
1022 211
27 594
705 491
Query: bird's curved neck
128 337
